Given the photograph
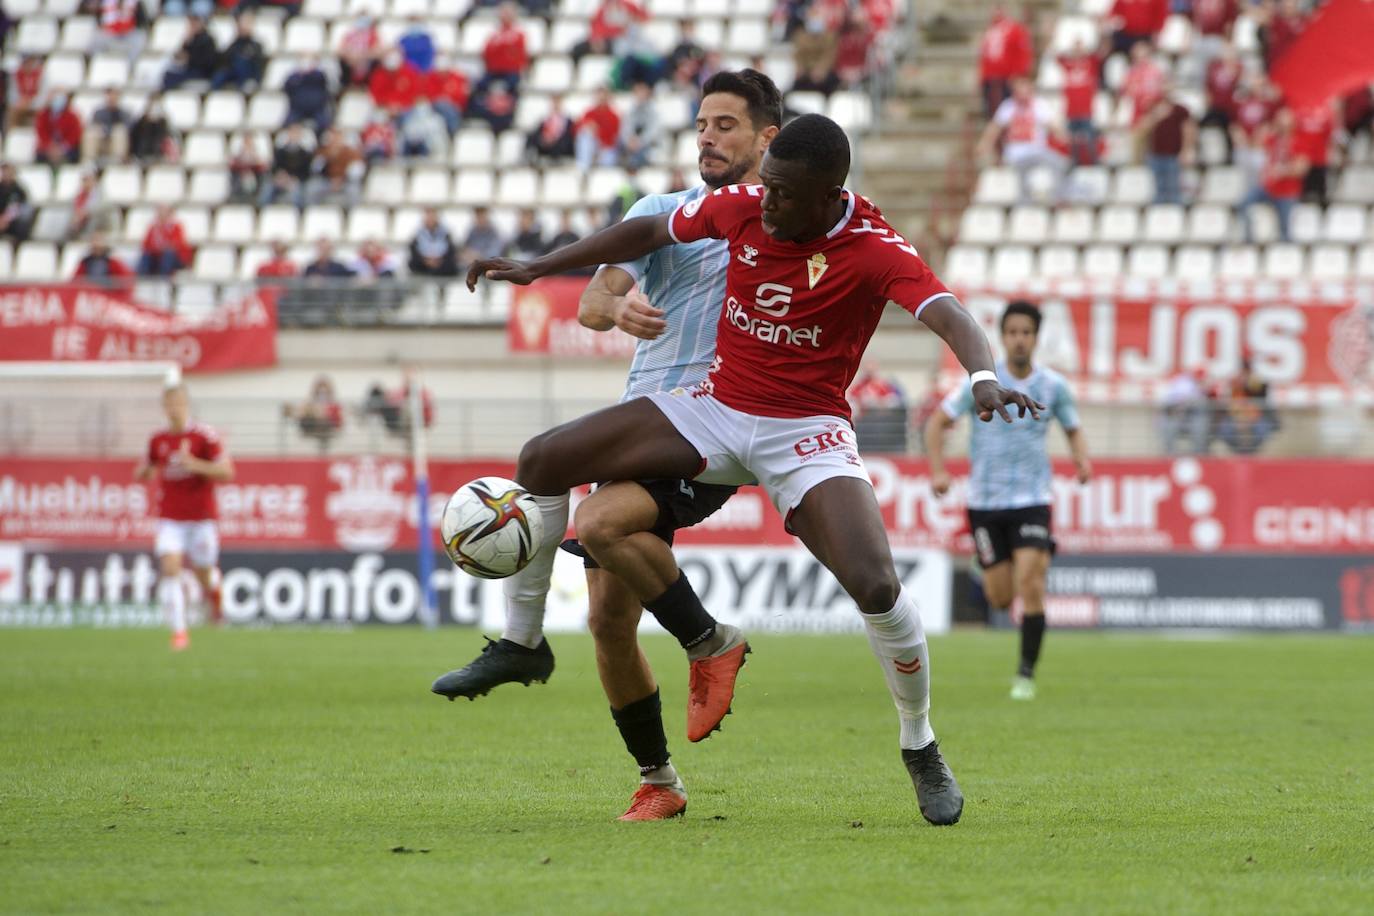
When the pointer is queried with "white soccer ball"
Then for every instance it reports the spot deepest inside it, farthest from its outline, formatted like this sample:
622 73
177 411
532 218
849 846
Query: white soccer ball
491 527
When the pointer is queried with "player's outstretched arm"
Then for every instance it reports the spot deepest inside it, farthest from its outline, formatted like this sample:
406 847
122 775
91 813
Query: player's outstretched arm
609 301
946 317
624 241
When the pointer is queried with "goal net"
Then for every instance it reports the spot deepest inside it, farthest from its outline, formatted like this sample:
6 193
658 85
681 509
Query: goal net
81 409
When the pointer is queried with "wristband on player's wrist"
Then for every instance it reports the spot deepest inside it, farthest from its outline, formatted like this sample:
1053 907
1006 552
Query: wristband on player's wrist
982 375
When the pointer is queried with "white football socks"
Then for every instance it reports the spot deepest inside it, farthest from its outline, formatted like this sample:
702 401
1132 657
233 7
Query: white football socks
665 775
527 589
172 597
899 642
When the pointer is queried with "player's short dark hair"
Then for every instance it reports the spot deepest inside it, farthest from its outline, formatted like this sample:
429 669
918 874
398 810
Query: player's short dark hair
1022 307
817 142
760 94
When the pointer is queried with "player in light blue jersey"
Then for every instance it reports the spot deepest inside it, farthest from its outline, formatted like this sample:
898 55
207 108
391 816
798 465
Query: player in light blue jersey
670 300
1009 489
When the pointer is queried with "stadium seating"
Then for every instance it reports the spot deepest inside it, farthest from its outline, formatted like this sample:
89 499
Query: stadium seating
480 170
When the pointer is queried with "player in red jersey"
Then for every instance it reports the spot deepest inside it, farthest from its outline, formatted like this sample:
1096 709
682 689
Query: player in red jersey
812 266
188 459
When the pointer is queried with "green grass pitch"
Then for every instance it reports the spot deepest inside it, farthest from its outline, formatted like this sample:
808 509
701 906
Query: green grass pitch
312 771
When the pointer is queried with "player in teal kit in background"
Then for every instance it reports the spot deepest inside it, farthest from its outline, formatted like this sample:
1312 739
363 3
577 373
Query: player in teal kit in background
1009 489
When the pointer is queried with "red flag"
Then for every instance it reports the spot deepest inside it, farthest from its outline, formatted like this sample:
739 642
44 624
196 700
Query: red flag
1331 57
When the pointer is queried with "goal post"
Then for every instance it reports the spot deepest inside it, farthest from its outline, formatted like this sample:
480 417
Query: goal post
58 409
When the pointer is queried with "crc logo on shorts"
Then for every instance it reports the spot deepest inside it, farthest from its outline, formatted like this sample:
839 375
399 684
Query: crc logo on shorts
773 299
837 438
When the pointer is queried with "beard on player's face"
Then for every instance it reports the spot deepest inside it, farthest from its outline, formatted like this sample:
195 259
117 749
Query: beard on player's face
719 170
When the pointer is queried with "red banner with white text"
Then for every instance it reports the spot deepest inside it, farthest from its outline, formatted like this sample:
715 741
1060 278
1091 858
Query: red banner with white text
76 323
1143 341
1182 505
543 319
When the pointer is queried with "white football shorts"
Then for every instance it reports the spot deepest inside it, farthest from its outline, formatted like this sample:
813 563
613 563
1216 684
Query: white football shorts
787 456
198 542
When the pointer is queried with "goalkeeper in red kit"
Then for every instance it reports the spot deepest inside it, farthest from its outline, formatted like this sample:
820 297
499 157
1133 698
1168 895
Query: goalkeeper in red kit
187 459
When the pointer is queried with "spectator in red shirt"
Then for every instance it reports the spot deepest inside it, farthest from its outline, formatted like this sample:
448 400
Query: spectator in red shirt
496 106
1027 126
1357 113
1172 144
1281 181
247 168
395 84
1004 53
23 91
58 131
320 417
1223 83
879 406
852 52
1133 21
120 30
610 21
165 249
596 133
1143 86
1313 129
1212 24
447 90
88 212
1082 70
378 139
1284 26
553 137
505 57
280 264
101 268
359 50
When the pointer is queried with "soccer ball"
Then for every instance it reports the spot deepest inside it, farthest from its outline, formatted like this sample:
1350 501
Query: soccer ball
491 527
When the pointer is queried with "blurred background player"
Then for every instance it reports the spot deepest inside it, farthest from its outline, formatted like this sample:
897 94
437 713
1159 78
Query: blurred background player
187 459
1010 483
674 315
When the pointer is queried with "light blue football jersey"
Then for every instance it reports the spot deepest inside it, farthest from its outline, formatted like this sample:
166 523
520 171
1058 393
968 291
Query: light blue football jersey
688 283
1010 464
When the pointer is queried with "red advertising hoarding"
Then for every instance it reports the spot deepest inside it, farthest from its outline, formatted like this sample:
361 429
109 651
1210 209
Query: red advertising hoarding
543 319
1182 505
75 323
1301 345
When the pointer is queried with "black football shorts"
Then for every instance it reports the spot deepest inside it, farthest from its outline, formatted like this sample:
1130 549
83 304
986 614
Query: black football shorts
681 504
998 532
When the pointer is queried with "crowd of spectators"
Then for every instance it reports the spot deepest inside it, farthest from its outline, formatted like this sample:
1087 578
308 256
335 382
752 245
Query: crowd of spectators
1284 153
1236 413
321 415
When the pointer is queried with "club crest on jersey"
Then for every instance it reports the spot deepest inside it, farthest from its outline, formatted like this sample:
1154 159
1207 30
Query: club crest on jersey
748 255
816 268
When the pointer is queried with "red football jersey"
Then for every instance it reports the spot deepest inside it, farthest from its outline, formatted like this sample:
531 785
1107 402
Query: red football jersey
181 495
798 315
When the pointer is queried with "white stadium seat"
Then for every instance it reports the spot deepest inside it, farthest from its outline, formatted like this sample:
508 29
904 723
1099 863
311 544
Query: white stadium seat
196 222
1073 225
36 261
209 185
981 226
109 70
279 223
267 111
747 36
50 224
136 223
122 184
303 36
235 224
68 182
563 187
1058 262
429 185
216 262
1344 223
322 221
1119 224
1195 263
602 184
1133 185
224 111
366 223
165 184
474 147
1164 223
36 36
593 73
1364 262
1029 225
1208 225
851 110
1356 185
1222 185
37 180
1149 262
1012 264
385 186
518 188
1306 223
551 74
1284 262
183 109
1330 262
203 147
167 35
966 264
251 257
1239 262
474 188
1102 262
1090 184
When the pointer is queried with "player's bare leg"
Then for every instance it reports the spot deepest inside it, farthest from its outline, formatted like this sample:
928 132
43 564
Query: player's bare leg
613 525
999 588
629 441
1030 566
840 523
172 598
633 694
210 586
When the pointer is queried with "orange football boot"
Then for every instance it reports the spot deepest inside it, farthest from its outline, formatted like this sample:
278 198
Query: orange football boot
656 803
711 685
